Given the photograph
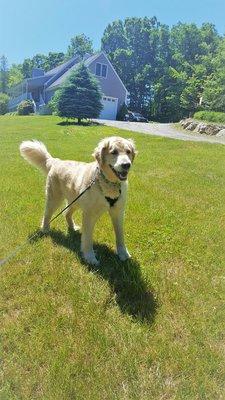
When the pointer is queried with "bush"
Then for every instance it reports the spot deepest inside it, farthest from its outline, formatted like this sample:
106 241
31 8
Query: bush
210 116
122 112
52 104
4 100
26 107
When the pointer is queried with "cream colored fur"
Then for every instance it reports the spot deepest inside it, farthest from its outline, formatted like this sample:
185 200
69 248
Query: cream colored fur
67 179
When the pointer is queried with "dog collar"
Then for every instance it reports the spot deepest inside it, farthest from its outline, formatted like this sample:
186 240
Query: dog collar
110 200
115 184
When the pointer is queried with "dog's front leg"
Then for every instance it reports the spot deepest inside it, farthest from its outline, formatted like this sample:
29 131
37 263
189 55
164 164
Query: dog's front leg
88 223
117 216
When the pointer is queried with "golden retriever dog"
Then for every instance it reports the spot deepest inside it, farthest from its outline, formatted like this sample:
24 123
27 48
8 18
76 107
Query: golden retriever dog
67 179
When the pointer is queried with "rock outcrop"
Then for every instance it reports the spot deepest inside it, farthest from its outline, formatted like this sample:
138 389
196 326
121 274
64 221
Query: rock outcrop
203 127
192 126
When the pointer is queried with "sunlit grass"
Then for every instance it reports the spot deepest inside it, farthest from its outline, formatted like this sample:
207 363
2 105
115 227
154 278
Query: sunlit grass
150 328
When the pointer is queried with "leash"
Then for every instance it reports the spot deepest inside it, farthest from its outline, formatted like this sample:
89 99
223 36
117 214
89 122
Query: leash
40 233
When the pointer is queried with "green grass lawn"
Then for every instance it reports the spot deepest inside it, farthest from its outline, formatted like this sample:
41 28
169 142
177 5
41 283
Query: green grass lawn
150 328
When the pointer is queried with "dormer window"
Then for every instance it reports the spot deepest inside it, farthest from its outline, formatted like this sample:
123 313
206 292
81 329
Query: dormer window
101 70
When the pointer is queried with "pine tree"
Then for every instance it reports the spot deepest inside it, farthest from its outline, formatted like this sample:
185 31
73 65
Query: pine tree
79 97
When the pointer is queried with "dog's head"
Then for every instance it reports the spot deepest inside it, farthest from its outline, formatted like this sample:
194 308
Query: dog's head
115 156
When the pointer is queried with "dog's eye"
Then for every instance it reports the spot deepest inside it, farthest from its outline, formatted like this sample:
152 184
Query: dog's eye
128 151
114 152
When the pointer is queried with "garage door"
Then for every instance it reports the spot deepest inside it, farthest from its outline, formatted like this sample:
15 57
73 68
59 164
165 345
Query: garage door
109 110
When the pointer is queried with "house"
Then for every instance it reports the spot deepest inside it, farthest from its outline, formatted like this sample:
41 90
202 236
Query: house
42 86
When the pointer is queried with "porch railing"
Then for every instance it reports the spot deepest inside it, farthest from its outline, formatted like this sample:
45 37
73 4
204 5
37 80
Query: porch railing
13 103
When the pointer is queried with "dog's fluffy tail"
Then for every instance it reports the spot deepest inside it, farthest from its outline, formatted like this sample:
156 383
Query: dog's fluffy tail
36 154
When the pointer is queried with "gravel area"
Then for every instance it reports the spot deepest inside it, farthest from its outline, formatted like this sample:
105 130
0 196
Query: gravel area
165 130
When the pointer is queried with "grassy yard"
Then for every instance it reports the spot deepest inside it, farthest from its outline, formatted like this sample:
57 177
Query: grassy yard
150 328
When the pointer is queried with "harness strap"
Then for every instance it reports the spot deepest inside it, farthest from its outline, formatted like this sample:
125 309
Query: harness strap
112 201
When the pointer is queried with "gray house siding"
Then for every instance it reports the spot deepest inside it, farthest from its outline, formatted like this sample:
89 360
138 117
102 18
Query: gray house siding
48 95
111 85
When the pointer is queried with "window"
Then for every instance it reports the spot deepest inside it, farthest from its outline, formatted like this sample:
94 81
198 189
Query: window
98 69
104 70
101 70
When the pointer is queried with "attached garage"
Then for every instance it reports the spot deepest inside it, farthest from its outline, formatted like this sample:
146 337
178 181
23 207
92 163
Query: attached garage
110 105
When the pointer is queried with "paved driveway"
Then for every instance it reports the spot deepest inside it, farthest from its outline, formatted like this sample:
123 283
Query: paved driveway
165 130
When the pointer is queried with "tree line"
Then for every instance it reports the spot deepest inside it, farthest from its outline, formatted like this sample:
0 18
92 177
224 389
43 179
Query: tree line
169 72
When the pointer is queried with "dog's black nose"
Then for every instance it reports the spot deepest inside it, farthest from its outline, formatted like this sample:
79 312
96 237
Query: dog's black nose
126 166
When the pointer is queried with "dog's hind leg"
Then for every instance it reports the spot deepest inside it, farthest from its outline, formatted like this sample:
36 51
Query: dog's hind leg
54 199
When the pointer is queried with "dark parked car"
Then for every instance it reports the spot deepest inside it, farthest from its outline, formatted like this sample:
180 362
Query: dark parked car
135 117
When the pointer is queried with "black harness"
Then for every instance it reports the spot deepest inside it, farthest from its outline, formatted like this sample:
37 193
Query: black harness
112 201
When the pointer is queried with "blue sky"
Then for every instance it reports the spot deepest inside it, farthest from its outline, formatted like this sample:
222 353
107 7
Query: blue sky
28 27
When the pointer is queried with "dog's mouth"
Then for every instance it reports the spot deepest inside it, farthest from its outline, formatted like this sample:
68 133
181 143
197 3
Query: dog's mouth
122 175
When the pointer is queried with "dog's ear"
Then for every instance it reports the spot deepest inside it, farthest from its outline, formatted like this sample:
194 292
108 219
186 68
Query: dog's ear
101 150
132 148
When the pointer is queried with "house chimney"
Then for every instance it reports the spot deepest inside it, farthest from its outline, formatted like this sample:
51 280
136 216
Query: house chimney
36 72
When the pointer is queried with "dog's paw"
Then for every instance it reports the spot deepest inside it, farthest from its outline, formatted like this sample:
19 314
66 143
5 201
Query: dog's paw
90 258
123 253
74 228
45 228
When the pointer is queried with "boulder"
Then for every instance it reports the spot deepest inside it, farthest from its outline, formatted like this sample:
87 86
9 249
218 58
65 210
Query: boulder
221 133
201 127
185 122
192 126
212 129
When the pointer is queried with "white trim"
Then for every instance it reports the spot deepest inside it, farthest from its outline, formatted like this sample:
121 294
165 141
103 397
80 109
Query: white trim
93 58
110 97
51 88
127 100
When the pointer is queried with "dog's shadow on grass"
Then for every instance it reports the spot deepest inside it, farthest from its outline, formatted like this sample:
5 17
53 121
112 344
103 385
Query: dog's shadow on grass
133 295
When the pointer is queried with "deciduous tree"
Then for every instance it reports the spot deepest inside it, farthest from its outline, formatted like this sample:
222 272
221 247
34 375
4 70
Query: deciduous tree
79 45
3 74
